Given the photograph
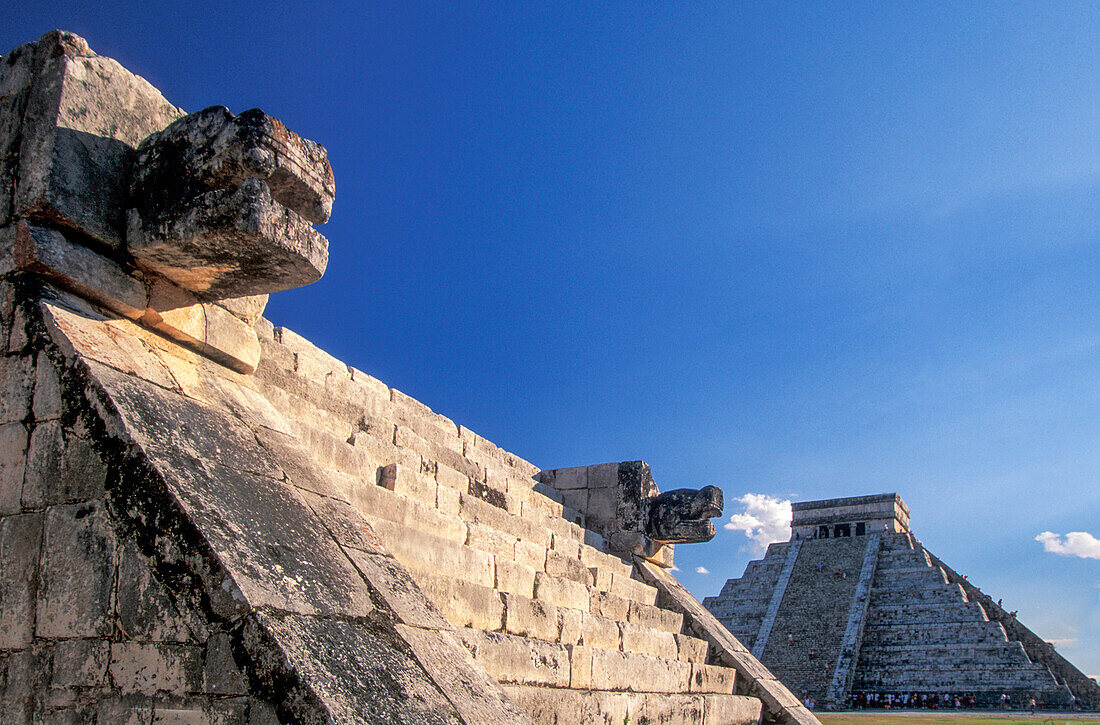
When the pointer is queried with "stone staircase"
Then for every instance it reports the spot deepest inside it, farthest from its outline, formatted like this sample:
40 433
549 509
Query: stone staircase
925 636
806 639
570 631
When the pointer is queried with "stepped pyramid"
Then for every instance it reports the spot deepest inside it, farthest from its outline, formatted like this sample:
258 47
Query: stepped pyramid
854 603
206 519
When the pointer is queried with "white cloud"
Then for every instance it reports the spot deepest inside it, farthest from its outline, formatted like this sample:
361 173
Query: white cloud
765 520
1075 543
702 570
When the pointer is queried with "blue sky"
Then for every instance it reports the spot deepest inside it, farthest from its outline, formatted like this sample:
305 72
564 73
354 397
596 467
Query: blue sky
808 251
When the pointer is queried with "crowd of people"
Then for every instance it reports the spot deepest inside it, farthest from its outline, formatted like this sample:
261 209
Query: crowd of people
913 700
938 701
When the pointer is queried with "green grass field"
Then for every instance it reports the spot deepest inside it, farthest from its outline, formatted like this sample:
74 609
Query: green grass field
878 717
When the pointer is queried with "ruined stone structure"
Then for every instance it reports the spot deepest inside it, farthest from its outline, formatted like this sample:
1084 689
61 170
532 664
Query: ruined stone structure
206 519
855 603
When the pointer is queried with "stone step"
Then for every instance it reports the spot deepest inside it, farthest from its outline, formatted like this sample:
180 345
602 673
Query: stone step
945 655
906 578
548 706
418 503
633 628
961 632
949 594
924 613
917 679
905 652
520 660
399 430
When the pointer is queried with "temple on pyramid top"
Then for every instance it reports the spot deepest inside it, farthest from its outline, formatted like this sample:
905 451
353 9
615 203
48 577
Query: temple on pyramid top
853 516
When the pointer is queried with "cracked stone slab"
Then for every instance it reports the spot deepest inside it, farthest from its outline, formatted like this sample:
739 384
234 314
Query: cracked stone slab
272 546
335 671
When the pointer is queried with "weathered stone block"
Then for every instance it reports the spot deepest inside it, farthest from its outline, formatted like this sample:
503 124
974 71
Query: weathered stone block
47 403
76 575
570 707
20 543
48 253
566 546
601 632
247 308
690 649
530 554
569 625
563 566
61 467
514 578
518 660
673 708
20 677
447 499
530 617
181 716
562 592
409 483
463 603
638 673
150 667
708 678
16 387
43 470
204 327
609 605
220 673
722 709
632 589
125 710
645 615
648 641
145 612
80 663
491 541
601 578
84 114
13 461
580 667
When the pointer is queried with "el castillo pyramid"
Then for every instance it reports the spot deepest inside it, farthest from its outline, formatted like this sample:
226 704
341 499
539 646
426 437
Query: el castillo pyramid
854 604
204 519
